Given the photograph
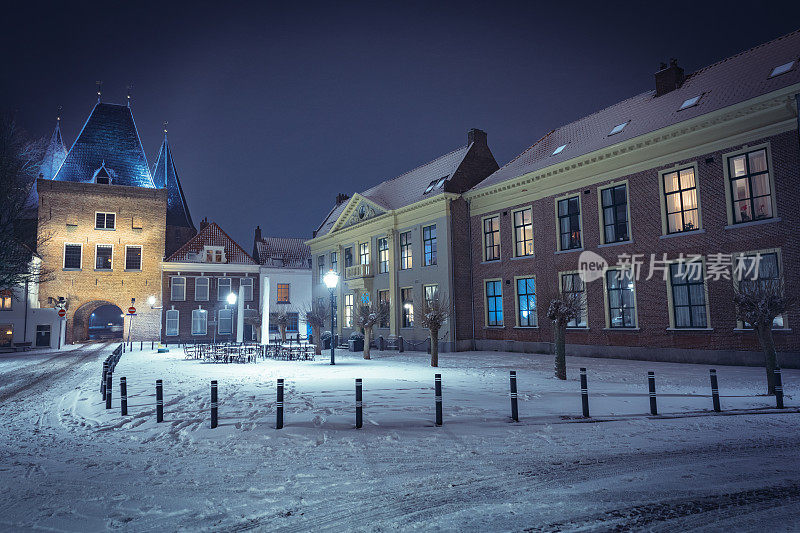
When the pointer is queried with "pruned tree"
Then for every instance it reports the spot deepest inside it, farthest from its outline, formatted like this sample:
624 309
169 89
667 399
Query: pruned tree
367 317
568 306
315 315
20 159
758 303
254 320
434 315
280 317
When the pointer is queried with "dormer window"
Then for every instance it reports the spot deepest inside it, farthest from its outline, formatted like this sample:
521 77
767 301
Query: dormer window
101 176
215 254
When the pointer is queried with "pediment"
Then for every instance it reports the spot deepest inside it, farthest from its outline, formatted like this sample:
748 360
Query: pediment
358 210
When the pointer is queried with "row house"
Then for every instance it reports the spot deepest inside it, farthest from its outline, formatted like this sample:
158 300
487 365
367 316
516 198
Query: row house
677 190
399 242
210 290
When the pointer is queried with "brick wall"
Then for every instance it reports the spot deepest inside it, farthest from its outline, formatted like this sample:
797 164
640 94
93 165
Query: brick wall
67 215
651 296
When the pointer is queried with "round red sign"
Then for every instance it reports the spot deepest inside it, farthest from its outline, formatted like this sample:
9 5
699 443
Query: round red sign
62 313
132 310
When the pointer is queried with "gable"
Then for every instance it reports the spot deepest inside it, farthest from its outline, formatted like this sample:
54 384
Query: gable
357 210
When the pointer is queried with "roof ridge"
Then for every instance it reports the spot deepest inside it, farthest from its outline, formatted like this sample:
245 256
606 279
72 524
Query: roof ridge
418 167
743 52
201 233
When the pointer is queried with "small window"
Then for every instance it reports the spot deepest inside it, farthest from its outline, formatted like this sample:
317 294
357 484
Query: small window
293 322
682 206
247 285
133 258
618 128
569 223
348 310
105 220
173 319
223 289
526 303
406 259
283 293
199 321
363 253
689 103
383 256
782 69
348 257
429 245
383 299
688 295
201 286
491 238
225 321
6 300
215 254
407 301
523 233
559 149
72 256
615 214
103 257
334 262
494 303
178 289
431 294
321 267
621 300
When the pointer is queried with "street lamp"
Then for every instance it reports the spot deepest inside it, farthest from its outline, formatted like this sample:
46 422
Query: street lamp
231 299
331 280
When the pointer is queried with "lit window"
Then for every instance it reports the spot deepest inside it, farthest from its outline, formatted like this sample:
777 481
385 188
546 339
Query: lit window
569 223
178 289
363 253
133 258
5 299
201 289
618 128
431 293
103 257
199 321
782 69
523 233
406 260
293 322
173 316
526 302
494 303
491 238
429 244
223 289
104 220
750 186
383 256
559 149
680 195
283 293
407 301
690 102
348 310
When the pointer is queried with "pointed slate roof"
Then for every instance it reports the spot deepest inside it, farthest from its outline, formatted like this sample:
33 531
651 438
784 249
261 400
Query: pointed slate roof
108 138
725 83
54 154
165 176
211 235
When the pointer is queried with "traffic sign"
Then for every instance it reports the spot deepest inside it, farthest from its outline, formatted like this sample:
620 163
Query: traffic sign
131 310
62 313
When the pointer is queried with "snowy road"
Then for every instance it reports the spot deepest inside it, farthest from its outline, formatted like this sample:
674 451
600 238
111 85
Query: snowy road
69 465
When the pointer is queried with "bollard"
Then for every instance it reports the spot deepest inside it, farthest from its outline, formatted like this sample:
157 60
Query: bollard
401 344
141 345
123 347
359 404
778 389
584 394
109 387
159 400
651 384
514 410
123 396
214 403
103 381
714 390
381 343
279 406
438 392
152 344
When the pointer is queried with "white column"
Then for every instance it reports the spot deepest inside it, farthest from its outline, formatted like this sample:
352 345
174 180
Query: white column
264 310
240 315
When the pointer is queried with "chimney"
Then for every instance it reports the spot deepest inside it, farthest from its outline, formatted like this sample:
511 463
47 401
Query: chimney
476 136
258 233
341 198
669 78
203 223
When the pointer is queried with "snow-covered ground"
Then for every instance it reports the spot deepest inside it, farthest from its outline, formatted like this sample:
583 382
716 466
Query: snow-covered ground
69 464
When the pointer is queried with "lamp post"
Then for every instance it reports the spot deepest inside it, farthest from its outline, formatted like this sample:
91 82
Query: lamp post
331 280
231 299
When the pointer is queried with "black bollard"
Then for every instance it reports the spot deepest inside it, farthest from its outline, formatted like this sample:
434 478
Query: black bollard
141 345
438 392
103 380
123 347
159 400
651 384
401 344
584 394
714 390
213 403
109 388
778 389
359 417
279 406
123 395
514 410
152 344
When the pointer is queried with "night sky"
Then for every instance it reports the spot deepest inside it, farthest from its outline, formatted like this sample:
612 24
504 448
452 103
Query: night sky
274 108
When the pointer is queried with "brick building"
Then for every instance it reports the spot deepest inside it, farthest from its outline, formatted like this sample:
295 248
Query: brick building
105 220
197 281
402 242
706 163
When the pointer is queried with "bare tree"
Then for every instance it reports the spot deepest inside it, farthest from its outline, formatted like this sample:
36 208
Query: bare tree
315 315
434 315
367 317
758 303
19 164
280 317
568 306
254 320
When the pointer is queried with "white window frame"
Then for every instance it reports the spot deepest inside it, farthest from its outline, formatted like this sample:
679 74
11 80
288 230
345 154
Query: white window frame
558 221
248 284
601 212
585 314
172 315
208 288
726 166
671 299
98 245
105 226
502 322
172 287
229 312
229 283
64 257
663 200
141 257
535 298
514 231
200 312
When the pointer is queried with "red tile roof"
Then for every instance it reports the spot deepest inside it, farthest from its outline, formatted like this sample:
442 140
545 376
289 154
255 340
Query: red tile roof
211 235
728 82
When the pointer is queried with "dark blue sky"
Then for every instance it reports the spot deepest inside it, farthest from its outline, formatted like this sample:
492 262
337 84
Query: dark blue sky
273 108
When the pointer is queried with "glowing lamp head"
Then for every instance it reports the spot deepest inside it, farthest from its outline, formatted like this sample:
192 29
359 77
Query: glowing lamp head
231 298
151 300
331 279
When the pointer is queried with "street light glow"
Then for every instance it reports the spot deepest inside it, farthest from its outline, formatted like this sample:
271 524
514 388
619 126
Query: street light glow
231 298
151 300
331 279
